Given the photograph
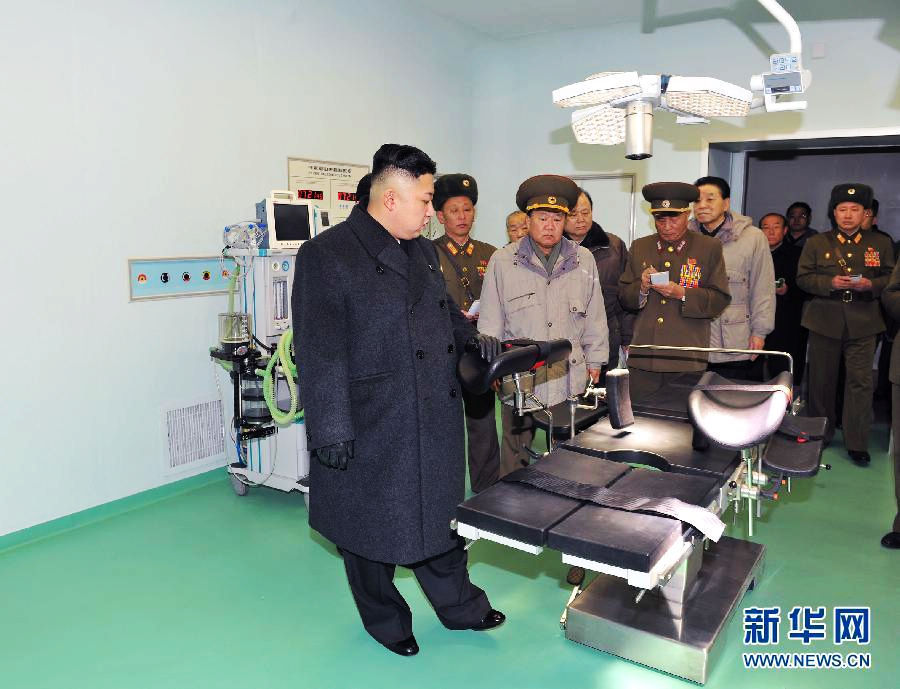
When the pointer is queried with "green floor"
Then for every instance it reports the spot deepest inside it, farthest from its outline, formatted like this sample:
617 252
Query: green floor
206 589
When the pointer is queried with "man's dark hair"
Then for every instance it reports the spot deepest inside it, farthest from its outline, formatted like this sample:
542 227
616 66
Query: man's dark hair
777 215
363 187
406 160
874 208
716 182
585 192
800 204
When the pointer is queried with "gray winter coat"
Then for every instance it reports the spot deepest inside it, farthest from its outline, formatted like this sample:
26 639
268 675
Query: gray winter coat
518 300
751 281
377 341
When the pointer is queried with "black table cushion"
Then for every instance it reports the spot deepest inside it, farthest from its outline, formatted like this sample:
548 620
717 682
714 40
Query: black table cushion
694 490
516 511
657 442
785 455
576 466
630 540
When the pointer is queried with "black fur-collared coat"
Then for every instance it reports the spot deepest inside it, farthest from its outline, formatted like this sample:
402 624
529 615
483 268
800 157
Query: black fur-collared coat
377 341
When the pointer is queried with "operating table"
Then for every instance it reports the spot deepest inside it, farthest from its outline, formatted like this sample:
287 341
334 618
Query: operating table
630 499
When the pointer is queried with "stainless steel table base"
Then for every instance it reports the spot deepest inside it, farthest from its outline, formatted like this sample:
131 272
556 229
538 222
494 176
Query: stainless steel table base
606 617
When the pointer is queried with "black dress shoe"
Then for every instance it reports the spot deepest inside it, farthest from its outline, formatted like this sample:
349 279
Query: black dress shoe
575 577
494 618
407 647
859 457
891 540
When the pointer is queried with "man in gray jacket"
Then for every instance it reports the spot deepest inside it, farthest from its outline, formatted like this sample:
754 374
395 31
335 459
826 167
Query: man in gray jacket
545 287
751 278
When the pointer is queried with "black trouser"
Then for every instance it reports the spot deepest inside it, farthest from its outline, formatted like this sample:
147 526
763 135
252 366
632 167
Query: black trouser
483 447
895 427
518 433
459 604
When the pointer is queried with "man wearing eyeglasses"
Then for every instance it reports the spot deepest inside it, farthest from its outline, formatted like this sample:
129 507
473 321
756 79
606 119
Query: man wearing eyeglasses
798 216
611 255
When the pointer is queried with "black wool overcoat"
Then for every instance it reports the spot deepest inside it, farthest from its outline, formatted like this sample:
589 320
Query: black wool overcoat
377 341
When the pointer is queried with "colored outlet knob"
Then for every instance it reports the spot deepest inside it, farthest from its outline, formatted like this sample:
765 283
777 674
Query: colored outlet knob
186 276
164 278
206 275
285 266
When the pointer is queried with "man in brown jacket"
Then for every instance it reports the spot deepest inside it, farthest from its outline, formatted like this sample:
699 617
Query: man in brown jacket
676 309
845 270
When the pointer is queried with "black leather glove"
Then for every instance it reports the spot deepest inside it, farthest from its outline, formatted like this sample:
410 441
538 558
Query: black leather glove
485 345
335 456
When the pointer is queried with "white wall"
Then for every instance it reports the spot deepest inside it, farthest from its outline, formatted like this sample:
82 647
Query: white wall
519 132
141 129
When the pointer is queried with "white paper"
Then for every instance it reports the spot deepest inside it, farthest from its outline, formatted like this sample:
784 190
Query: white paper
475 308
661 278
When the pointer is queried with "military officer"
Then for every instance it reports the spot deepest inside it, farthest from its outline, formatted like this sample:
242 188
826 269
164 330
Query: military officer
544 287
463 263
845 270
677 310
891 301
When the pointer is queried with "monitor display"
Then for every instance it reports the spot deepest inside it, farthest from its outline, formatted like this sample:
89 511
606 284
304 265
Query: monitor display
291 222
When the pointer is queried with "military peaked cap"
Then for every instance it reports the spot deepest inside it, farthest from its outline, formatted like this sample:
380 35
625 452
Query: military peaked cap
670 197
547 192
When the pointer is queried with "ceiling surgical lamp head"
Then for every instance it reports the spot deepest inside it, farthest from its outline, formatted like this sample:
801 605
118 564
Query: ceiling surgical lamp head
638 130
612 108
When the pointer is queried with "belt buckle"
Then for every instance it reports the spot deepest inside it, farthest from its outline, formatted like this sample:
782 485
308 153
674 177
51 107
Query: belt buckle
847 296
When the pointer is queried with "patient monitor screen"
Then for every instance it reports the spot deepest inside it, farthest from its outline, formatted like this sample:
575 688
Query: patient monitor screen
291 222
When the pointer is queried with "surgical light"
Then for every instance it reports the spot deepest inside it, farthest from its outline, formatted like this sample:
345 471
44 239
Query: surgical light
598 88
617 107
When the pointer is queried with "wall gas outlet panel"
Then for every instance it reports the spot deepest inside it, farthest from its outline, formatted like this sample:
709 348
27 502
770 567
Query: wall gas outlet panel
166 278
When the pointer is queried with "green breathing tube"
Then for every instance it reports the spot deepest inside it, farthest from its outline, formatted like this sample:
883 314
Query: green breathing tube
282 355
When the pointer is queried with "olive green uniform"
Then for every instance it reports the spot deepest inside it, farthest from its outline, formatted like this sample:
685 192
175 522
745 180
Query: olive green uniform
472 260
481 426
843 322
891 300
696 262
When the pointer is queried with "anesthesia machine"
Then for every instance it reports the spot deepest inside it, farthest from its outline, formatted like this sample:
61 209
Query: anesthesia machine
268 438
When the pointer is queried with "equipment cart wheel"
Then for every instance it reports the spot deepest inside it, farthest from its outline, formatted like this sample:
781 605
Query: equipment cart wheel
240 488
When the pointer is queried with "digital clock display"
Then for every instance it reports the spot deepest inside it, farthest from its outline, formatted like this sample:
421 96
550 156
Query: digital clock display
346 196
310 194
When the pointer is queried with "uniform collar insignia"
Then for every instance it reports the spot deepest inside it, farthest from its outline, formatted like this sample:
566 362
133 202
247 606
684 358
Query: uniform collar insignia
843 238
451 247
677 248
